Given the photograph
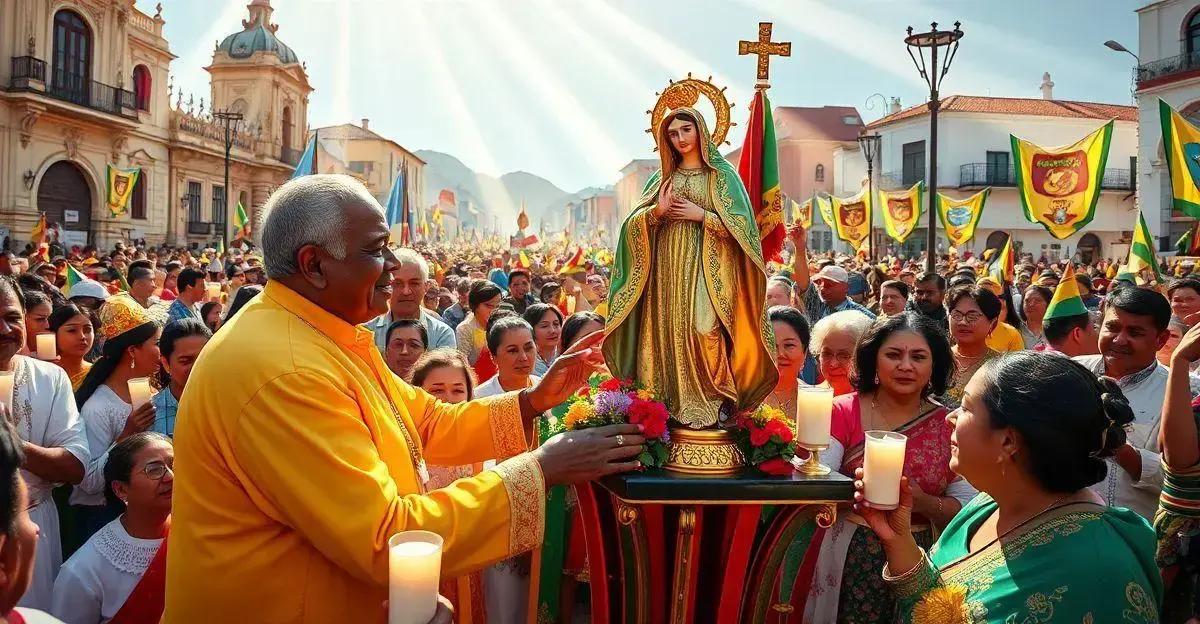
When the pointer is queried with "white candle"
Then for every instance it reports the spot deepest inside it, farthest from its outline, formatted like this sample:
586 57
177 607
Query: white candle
7 378
414 568
214 290
139 391
47 348
883 465
814 407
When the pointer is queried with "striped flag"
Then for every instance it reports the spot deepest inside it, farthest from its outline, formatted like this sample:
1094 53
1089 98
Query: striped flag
73 277
1181 146
394 211
523 260
1141 251
574 264
759 171
38 233
241 223
307 164
1003 266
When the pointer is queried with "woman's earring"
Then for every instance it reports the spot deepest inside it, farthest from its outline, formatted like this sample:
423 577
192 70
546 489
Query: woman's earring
877 379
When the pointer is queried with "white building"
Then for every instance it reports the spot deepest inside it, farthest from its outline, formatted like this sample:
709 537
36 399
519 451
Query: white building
974 151
1169 68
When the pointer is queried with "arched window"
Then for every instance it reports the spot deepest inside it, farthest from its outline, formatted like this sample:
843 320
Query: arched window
72 64
287 128
137 202
820 175
1191 33
141 87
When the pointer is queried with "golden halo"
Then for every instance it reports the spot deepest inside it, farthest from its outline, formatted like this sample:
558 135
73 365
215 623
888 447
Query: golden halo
686 93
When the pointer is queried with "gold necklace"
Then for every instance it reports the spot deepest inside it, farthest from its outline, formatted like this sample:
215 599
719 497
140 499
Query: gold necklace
1019 525
876 411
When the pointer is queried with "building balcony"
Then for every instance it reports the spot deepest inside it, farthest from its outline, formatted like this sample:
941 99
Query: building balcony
30 74
987 174
290 156
199 228
1166 70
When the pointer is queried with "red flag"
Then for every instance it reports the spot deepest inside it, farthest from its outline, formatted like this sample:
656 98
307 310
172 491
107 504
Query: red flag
759 171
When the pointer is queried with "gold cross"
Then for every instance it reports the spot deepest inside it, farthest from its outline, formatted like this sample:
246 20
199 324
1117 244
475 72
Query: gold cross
764 48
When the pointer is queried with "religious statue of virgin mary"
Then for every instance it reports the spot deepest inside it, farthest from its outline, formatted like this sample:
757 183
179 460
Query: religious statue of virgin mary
687 316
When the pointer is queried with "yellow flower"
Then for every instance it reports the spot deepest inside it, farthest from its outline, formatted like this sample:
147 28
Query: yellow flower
579 412
943 605
645 395
766 414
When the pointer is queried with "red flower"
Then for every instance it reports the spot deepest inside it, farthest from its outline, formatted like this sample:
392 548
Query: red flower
776 466
759 436
779 428
610 384
652 416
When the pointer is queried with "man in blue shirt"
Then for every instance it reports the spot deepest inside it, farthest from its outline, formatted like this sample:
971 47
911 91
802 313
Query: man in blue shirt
191 291
828 292
408 293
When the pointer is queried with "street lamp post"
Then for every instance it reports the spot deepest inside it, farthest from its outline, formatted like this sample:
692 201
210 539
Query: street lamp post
230 120
870 148
933 73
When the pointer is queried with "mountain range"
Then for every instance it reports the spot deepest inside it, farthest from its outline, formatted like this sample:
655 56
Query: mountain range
499 197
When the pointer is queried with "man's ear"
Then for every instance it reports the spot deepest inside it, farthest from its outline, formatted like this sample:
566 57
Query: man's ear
308 263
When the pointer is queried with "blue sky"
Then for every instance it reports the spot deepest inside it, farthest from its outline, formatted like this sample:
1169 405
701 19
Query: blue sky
560 87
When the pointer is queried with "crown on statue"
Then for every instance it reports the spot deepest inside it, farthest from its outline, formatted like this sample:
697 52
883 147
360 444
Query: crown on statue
686 93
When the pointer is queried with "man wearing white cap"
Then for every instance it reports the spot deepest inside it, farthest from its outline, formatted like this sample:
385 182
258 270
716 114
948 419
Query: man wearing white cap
828 294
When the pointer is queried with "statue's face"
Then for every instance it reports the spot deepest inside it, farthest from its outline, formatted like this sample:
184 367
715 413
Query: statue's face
682 135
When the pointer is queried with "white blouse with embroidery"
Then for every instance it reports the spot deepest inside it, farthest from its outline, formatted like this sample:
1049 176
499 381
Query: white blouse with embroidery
97 580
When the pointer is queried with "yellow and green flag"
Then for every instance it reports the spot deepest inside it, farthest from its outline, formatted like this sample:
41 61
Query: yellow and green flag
825 208
241 223
1059 186
902 211
120 183
1181 144
1141 251
960 216
73 277
1067 300
802 213
852 217
758 169
1003 266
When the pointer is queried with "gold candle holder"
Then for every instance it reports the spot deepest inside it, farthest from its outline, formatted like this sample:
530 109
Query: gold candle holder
813 466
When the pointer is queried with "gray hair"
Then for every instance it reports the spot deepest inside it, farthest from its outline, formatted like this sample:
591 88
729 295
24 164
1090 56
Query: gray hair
309 210
851 321
409 256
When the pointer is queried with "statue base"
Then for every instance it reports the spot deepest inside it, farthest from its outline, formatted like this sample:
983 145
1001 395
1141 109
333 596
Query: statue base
704 452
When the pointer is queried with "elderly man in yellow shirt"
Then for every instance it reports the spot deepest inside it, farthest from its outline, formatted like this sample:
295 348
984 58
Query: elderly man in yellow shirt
298 453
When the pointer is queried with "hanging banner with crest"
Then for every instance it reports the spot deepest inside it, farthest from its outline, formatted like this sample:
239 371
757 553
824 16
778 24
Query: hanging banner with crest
120 183
1181 145
960 216
902 211
1059 186
852 217
801 213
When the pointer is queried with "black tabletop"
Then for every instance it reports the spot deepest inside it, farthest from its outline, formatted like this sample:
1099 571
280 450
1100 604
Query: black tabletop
748 486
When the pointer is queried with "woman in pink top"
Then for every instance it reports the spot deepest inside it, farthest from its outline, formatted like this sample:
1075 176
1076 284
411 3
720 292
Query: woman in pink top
901 362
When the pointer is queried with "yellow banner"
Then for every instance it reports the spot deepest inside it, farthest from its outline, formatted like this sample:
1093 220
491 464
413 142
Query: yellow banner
902 211
960 216
852 217
120 184
801 214
825 208
1059 186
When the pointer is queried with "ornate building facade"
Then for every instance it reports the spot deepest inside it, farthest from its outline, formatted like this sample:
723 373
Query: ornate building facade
87 86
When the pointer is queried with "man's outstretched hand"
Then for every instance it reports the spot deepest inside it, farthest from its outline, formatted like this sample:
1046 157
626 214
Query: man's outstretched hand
569 373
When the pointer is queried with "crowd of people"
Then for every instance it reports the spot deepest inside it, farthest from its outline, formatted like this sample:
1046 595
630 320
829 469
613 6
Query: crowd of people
1050 421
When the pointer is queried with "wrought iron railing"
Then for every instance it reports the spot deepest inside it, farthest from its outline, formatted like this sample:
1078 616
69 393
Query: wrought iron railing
28 68
72 87
199 228
1165 67
988 174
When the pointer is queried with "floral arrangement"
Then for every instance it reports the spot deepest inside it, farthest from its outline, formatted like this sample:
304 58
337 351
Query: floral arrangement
767 440
611 401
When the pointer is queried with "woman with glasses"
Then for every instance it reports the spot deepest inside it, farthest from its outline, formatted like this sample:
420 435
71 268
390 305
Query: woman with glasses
834 339
120 573
974 312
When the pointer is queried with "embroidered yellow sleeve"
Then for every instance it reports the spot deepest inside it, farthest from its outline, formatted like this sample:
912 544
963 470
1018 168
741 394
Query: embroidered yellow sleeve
508 430
522 477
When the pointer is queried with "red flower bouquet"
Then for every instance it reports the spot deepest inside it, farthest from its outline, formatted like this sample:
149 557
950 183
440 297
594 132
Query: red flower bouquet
611 401
767 441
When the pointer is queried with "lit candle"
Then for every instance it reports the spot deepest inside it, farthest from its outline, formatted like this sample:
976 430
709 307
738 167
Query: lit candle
814 406
139 391
47 348
414 568
7 378
883 464
214 290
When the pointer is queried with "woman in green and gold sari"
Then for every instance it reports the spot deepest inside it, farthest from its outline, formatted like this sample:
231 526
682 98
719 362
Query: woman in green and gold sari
1032 434
689 283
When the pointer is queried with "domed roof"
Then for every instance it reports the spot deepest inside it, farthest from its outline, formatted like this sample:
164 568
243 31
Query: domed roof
258 36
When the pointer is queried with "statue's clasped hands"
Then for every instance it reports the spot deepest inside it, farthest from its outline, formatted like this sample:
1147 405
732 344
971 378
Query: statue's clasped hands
676 208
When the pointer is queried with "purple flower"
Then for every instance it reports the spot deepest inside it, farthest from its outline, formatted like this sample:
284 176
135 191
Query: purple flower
666 436
612 403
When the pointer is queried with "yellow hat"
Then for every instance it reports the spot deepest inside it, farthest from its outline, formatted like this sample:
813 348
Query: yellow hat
121 313
89 261
991 284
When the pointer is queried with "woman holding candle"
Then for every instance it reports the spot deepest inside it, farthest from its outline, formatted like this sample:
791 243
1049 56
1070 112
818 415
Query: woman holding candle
546 321
1032 434
74 335
119 575
37 320
37 401
902 361
1033 308
973 312
107 395
179 346
834 339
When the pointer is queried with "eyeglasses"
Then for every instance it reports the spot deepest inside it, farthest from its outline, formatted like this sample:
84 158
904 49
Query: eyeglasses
970 318
156 470
841 356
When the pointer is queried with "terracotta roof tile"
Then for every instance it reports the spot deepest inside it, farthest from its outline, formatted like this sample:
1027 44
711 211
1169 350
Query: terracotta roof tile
827 123
1017 106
